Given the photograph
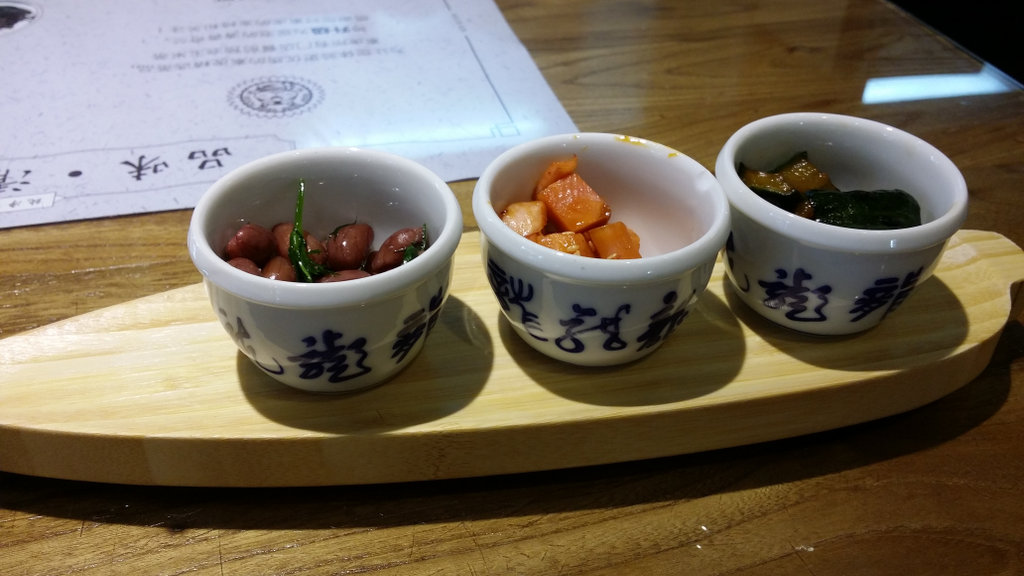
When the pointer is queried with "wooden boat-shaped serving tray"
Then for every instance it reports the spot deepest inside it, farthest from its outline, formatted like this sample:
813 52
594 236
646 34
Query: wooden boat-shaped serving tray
154 392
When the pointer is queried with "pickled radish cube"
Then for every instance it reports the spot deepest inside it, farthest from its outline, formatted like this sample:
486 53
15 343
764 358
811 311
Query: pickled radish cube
526 218
554 172
573 206
615 241
568 242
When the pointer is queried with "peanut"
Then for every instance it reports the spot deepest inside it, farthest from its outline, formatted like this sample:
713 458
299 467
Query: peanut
279 268
254 242
392 251
348 248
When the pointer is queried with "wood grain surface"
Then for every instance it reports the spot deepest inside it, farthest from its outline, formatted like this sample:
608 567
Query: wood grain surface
153 391
935 490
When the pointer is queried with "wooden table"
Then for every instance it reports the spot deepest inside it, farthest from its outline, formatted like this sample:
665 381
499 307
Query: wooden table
933 491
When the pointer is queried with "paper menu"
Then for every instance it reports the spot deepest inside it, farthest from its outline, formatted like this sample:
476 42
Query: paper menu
128 106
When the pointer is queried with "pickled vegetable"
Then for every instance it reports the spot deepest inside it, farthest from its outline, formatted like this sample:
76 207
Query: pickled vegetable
865 209
772 187
568 242
573 205
569 216
526 218
800 187
554 172
615 241
803 176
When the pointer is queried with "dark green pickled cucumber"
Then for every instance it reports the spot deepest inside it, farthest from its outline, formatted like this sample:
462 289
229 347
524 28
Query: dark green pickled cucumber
865 209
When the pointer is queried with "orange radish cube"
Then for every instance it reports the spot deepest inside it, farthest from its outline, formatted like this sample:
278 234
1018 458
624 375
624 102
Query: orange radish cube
568 242
526 218
555 171
615 241
573 206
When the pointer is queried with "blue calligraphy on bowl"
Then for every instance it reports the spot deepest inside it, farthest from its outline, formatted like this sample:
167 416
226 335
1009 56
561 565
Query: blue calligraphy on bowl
416 325
796 296
885 293
805 302
330 354
512 291
730 257
241 337
584 319
666 319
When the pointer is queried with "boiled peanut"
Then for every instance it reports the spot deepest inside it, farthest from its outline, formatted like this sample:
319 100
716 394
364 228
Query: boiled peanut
282 236
346 254
254 242
245 265
316 250
279 268
392 251
348 248
344 275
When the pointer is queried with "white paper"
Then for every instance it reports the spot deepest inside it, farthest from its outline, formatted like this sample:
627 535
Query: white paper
126 106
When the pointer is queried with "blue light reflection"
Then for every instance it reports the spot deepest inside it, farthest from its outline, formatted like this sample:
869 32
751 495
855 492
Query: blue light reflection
988 80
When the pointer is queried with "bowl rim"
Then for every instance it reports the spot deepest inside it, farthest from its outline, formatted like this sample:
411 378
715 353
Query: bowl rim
827 236
596 270
217 271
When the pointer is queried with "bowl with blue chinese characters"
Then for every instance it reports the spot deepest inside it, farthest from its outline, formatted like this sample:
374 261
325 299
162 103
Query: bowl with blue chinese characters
591 310
305 332
860 234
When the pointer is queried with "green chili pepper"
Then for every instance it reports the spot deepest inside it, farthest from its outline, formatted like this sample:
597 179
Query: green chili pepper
298 250
416 248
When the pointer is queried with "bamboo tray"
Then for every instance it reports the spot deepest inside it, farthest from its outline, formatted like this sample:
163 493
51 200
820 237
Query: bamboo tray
153 391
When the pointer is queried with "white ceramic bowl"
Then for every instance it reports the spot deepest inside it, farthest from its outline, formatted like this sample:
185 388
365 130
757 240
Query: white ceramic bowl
595 312
331 337
824 279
